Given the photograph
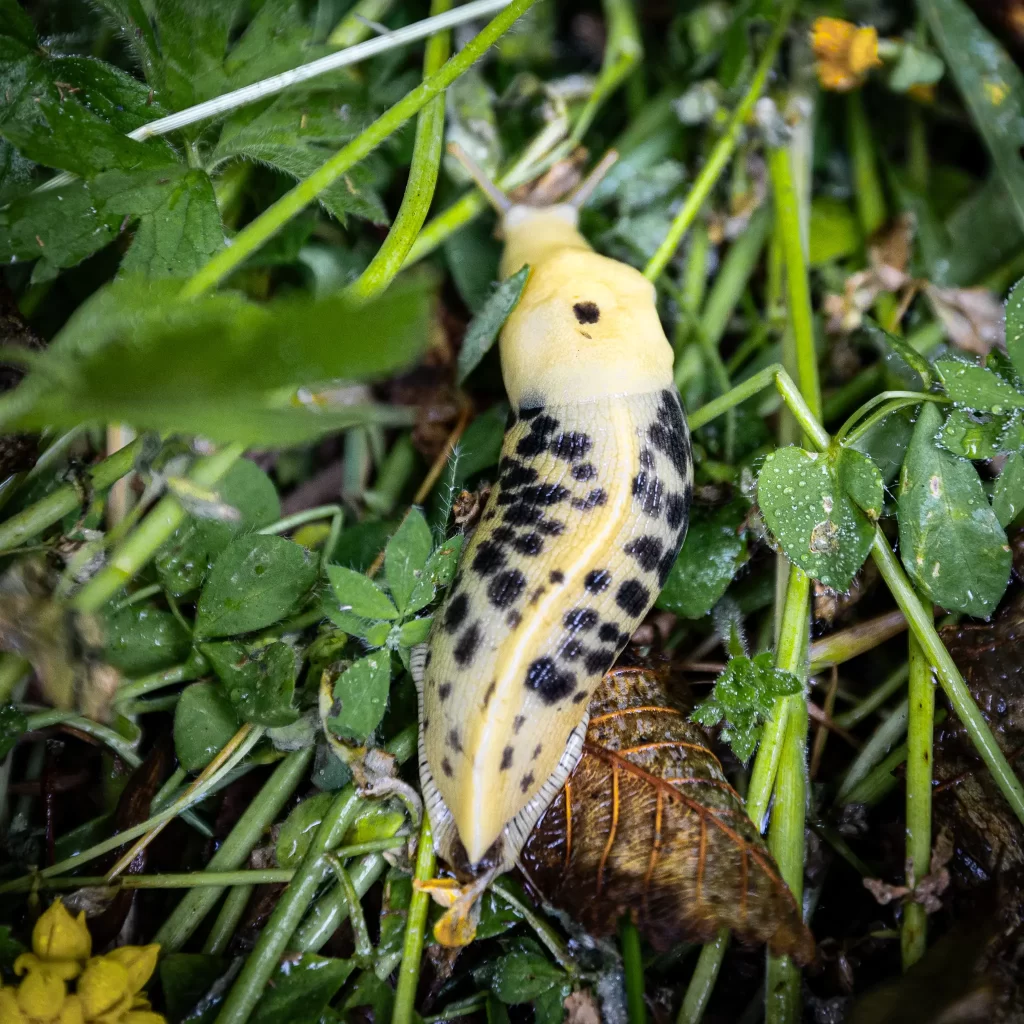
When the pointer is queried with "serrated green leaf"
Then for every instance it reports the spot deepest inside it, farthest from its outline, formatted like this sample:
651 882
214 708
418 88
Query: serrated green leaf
714 550
486 325
259 683
437 573
134 353
177 221
977 388
990 83
812 517
255 582
406 557
204 721
132 24
361 697
951 542
906 351
1008 494
359 595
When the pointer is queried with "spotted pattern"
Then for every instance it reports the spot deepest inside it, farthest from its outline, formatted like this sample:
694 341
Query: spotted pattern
582 526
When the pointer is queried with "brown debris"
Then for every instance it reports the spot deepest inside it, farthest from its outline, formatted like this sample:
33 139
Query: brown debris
648 825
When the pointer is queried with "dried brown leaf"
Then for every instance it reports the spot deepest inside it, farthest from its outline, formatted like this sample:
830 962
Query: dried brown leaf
648 825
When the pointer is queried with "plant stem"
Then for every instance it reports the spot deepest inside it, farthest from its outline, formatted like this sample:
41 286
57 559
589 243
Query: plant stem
419 191
297 519
920 730
867 187
30 522
226 922
882 740
801 315
894 682
845 644
702 982
633 968
271 220
125 749
415 929
722 152
155 681
151 534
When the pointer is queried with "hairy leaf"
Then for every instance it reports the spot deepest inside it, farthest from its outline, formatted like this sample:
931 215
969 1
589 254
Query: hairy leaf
487 324
951 542
657 832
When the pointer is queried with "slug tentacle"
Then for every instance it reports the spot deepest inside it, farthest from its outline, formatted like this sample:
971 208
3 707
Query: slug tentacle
578 536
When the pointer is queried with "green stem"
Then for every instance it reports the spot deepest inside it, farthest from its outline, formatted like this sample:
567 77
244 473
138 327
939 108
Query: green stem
949 676
415 929
226 922
893 683
801 314
271 220
333 908
722 152
890 402
547 935
867 186
882 740
633 968
702 982
234 851
30 522
845 644
125 749
880 781
419 191
297 519
155 681
920 730
151 534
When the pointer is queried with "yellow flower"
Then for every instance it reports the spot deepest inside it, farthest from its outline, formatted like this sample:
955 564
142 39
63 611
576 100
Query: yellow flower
41 995
105 991
845 53
71 1012
10 1011
59 936
138 961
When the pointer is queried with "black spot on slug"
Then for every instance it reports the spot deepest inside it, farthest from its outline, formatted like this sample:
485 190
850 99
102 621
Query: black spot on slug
595 498
646 550
648 491
465 649
537 750
646 458
551 683
446 767
506 587
571 446
506 759
584 471
515 474
556 576
608 633
675 510
597 581
587 312
633 598
580 696
526 782
513 619
598 662
444 690
544 494
454 742
580 619
528 414
551 527
455 612
489 558
517 723
571 650
489 693
523 515
529 544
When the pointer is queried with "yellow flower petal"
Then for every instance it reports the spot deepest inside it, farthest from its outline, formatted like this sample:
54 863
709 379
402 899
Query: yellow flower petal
863 53
64 970
830 37
138 961
41 995
59 936
71 1011
104 989
845 53
10 1011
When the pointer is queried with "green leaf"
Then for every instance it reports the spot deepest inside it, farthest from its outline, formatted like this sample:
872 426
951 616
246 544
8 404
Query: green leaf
990 83
951 542
182 564
299 828
1015 327
10 949
713 552
835 233
1008 494
394 910
981 437
12 724
860 479
377 996
472 256
437 573
361 697
204 721
185 978
909 354
813 518
359 595
522 976
260 683
406 557
255 582
549 1006
135 353
300 989
414 632
480 447
976 387
179 226
141 639
133 25
743 697
484 329
915 67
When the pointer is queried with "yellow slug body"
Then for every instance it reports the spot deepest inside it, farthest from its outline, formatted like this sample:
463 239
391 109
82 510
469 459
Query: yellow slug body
577 538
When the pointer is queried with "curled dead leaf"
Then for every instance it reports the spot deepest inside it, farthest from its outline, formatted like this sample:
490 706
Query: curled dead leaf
648 825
